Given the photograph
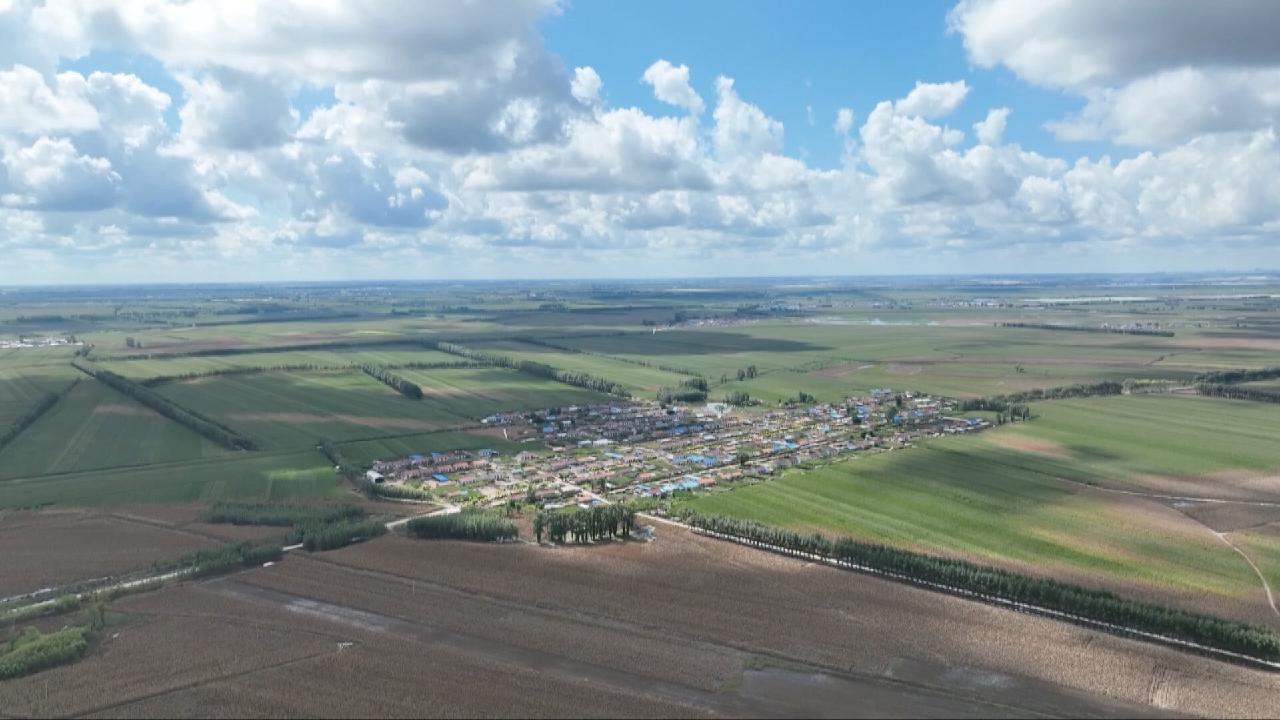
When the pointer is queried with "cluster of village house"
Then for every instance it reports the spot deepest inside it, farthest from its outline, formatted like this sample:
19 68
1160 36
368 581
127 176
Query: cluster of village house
645 449
28 342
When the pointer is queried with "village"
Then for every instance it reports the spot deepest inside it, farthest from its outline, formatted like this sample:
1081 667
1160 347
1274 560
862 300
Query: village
645 449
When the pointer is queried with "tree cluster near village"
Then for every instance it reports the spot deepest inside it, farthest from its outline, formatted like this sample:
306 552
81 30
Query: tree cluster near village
599 522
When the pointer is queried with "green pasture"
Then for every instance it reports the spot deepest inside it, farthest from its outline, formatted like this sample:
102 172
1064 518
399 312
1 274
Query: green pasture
94 426
262 476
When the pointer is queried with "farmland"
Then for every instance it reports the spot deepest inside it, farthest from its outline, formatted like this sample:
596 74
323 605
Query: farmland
707 639
1168 497
273 476
1023 498
97 427
292 410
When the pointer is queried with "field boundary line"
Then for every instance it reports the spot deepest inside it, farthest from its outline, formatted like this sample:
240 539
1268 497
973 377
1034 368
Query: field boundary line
1121 630
1271 600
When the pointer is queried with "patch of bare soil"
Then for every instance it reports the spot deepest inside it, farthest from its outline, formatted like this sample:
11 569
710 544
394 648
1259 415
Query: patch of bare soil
836 372
897 368
1025 443
1244 485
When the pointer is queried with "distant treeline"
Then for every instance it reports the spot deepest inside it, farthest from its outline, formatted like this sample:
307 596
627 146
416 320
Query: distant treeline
25 420
466 525
220 434
298 367
1228 377
247 370
961 575
529 367
395 382
213 352
1002 403
596 523
1087 328
630 361
1238 392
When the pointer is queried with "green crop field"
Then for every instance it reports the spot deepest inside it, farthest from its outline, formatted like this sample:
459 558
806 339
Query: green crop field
1198 446
474 393
294 409
29 375
265 476
179 365
640 380
94 426
999 497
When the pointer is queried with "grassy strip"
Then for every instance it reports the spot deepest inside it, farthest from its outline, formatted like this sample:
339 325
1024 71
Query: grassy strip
393 381
220 434
1102 606
26 419
466 525
272 514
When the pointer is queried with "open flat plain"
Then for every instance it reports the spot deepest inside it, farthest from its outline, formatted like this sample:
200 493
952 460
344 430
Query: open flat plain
683 626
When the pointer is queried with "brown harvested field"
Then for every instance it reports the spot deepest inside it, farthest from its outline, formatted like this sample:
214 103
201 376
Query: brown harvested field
1026 443
52 548
120 409
684 626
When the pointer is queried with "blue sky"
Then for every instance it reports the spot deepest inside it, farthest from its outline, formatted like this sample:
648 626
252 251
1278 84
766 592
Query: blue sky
304 139
820 55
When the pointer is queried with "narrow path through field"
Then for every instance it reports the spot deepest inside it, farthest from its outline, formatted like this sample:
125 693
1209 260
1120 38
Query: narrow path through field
1271 600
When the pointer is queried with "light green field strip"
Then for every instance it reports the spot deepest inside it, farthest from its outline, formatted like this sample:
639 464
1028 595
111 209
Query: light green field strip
267 476
94 426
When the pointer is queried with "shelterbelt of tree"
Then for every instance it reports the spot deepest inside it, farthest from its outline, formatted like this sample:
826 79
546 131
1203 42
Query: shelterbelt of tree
1105 607
220 434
